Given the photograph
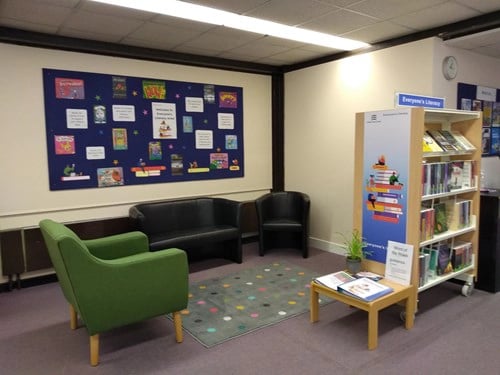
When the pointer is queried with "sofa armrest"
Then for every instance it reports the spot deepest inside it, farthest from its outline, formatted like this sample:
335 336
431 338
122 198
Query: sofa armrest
118 245
227 212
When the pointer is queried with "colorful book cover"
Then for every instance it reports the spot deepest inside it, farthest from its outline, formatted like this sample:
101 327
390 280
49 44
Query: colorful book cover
64 144
463 140
119 87
176 164
153 89
456 175
209 94
231 142
440 218
364 289
99 114
69 88
120 141
442 141
429 145
228 99
107 177
155 152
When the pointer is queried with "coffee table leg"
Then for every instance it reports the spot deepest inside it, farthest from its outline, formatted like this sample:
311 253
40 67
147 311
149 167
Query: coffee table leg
409 313
372 329
314 305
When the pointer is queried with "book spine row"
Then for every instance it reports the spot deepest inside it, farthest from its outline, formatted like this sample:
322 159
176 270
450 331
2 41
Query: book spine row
442 258
444 177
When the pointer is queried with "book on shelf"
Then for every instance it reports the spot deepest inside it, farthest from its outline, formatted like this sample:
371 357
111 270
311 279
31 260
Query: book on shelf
458 212
442 141
444 265
451 139
455 180
333 280
435 178
466 144
364 289
426 223
429 145
440 218
433 262
461 254
423 268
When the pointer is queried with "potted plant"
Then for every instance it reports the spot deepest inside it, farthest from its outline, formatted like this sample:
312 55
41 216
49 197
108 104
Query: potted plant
354 251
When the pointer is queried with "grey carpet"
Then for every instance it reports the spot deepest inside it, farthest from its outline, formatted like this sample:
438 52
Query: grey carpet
453 334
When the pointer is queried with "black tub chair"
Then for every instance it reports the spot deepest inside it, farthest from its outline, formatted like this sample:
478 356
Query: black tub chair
283 219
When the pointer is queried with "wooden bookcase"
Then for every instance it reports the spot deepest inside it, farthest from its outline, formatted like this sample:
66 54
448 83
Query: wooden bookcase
417 121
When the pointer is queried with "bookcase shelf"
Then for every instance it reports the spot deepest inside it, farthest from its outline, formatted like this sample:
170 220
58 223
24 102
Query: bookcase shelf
375 133
442 278
450 234
448 194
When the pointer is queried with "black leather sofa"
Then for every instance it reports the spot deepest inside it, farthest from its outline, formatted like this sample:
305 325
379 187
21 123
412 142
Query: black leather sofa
200 226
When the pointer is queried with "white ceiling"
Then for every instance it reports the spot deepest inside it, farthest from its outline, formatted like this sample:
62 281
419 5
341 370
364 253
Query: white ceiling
370 21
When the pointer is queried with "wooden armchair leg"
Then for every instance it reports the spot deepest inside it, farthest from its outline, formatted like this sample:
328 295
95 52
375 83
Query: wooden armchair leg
73 317
178 326
94 350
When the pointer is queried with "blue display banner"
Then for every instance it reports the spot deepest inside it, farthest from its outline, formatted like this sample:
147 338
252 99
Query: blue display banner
410 100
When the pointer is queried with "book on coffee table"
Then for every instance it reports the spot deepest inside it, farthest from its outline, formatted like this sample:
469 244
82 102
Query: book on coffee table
364 289
333 280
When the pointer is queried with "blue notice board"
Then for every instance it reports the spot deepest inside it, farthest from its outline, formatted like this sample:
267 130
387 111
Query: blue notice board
108 130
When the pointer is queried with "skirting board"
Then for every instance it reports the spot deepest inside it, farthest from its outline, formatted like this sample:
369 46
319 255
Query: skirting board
331 247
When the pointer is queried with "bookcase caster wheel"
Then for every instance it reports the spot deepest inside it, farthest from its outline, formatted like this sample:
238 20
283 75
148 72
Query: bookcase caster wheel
467 289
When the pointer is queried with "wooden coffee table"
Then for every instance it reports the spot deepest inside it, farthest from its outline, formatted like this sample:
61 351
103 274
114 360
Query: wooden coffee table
401 293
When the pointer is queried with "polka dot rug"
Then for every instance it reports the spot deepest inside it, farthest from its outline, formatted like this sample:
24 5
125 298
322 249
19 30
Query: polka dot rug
226 307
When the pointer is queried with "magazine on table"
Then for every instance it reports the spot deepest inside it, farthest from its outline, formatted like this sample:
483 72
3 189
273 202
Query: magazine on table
333 280
365 289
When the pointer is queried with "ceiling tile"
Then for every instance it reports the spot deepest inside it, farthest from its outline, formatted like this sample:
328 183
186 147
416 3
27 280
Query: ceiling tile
110 10
387 9
484 6
434 16
339 22
235 6
164 35
102 24
294 12
378 32
34 12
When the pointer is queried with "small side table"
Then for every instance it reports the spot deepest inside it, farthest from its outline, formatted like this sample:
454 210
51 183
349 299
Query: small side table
400 293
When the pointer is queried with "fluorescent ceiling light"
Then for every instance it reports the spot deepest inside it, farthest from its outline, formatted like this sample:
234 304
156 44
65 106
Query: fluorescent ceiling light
213 16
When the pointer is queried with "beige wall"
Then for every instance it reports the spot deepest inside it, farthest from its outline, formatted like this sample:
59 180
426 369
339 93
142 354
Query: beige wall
25 195
320 107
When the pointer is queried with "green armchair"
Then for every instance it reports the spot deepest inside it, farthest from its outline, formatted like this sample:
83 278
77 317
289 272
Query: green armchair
114 281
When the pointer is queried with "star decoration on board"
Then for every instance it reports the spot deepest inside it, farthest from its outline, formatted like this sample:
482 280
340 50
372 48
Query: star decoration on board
136 132
134 93
177 96
116 162
145 112
218 149
101 132
98 97
170 146
205 121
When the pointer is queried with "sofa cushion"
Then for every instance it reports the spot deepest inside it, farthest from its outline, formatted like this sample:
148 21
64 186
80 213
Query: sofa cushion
189 238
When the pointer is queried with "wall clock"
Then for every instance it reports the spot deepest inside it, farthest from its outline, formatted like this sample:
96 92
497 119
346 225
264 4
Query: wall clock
450 67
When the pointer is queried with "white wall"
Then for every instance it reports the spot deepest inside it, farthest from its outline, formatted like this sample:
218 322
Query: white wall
476 70
24 186
320 107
